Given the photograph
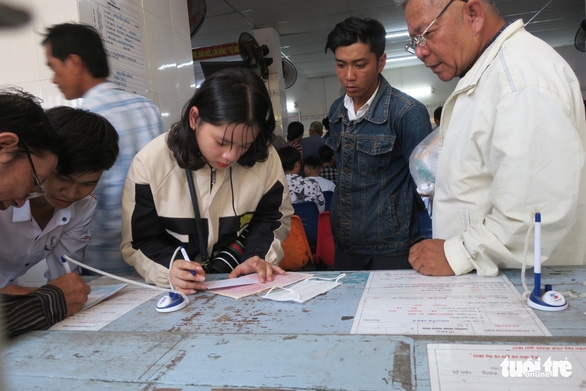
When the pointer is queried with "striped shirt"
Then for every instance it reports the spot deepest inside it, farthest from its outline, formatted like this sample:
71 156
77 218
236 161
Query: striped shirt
137 121
38 310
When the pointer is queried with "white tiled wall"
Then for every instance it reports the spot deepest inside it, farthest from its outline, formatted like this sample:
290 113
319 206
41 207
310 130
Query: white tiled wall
167 49
167 41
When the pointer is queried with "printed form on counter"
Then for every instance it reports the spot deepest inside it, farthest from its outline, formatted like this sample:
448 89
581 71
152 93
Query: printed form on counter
463 367
408 303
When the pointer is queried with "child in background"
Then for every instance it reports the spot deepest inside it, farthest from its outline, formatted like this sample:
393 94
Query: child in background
300 189
313 168
328 163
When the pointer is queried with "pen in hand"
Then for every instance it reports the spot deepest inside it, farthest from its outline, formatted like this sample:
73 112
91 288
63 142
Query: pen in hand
186 257
66 265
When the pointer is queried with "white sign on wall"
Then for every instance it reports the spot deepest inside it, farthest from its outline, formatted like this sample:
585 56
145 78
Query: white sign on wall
120 24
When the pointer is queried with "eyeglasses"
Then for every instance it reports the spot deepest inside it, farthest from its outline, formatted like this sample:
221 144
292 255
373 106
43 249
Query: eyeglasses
39 191
419 40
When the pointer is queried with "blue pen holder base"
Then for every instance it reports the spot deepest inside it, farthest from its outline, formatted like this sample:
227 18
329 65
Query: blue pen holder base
550 301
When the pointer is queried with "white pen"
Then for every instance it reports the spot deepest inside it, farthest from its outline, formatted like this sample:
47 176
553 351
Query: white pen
537 255
186 257
184 253
66 265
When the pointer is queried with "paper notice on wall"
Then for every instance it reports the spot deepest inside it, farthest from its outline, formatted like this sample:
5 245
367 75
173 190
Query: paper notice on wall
120 24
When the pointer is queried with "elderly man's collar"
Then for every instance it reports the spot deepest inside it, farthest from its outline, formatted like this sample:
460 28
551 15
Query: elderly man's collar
490 43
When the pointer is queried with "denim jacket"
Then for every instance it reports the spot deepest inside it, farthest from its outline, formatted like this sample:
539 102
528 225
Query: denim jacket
375 205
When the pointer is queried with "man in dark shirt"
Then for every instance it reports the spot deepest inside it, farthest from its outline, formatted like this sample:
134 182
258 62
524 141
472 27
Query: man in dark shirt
310 145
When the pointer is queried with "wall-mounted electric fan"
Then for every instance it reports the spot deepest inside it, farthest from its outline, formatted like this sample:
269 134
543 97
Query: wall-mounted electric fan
253 54
289 72
580 38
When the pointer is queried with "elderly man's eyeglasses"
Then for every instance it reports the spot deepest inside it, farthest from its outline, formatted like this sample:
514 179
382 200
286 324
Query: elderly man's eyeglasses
38 190
420 39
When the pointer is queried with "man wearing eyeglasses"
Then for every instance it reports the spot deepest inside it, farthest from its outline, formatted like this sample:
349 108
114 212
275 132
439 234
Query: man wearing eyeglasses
28 153
512 142
374 128
23 171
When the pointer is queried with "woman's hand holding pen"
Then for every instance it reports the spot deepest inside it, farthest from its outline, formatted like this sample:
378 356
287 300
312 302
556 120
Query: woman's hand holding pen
187 277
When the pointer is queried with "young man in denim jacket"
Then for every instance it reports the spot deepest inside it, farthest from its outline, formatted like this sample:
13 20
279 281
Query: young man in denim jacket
373 129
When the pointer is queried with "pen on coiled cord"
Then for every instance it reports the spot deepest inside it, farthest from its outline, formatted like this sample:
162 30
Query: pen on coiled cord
537 255
186 257
66 265
103 273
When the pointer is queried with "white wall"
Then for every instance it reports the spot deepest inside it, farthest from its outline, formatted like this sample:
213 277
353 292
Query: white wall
314 96
167 41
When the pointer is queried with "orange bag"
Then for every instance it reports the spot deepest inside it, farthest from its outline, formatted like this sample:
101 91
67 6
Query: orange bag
296 247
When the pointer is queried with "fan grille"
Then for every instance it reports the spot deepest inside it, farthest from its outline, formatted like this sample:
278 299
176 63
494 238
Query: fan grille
289 73
580 38
253 55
